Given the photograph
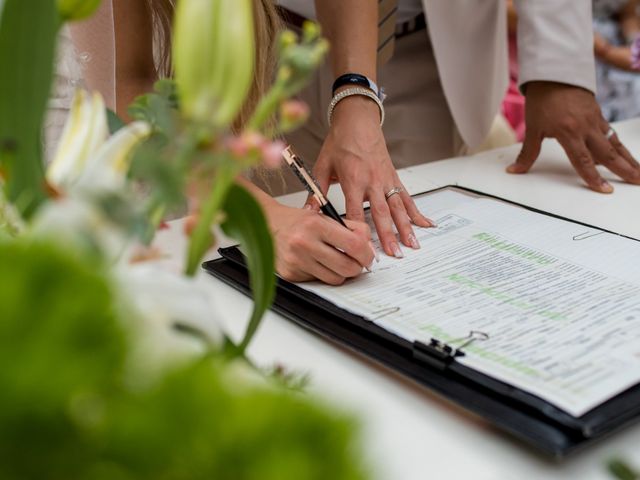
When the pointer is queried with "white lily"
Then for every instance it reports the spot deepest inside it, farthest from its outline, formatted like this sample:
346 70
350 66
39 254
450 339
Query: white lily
86 159
161 302
89 163
80 226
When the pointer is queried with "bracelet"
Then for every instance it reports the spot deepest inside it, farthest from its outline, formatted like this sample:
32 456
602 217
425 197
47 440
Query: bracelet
357 79
349 92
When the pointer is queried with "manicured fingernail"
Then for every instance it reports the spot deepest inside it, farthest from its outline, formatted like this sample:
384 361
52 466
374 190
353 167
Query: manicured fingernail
376 255
369 268
395 248
413 241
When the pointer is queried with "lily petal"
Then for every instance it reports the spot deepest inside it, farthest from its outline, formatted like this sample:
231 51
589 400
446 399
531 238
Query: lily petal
107 168
85 130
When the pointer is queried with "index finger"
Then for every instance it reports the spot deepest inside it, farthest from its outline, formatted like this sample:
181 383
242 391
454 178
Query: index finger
583 163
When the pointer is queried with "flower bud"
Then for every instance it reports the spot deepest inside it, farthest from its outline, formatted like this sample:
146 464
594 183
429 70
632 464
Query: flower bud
77 9
246 146
293 113
272 153
213 55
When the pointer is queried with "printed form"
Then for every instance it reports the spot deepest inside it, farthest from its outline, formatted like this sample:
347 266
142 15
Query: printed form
560 302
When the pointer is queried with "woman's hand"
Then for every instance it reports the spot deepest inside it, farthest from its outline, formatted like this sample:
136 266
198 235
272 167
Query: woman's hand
355 153
312 246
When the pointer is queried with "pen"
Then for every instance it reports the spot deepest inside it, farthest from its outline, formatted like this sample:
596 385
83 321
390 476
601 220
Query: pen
296 164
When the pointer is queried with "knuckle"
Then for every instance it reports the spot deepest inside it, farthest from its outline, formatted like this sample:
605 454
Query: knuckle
583 159
609 157
288 258
354 211
379 209
569 125
297 241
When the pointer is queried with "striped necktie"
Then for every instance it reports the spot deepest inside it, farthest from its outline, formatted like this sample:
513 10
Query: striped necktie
387 10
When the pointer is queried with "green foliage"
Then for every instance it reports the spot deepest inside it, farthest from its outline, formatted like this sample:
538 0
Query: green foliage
114 121
66 410
28 30
77 9
61 355
620 470
194 426
245 221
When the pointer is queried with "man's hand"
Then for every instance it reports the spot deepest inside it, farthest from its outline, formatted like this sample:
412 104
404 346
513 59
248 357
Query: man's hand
572 116
355 154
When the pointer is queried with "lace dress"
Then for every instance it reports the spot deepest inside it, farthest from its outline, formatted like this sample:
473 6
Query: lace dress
68 77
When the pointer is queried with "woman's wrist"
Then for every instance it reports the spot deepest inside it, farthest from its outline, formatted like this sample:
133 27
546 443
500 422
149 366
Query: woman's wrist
355 108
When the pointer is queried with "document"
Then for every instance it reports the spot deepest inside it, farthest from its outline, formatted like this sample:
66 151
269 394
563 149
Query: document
559 302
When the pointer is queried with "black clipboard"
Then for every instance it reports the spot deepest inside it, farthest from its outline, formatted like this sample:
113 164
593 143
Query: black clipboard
519 413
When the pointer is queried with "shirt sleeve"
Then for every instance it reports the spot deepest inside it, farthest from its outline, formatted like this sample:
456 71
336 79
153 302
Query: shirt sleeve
555 42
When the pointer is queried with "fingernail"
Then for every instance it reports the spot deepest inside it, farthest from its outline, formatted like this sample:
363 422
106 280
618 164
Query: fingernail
413 241
369 268
376 255
606 187
395 248
433 224
514 168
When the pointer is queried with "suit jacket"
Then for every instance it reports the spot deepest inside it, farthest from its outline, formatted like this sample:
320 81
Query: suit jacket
555 43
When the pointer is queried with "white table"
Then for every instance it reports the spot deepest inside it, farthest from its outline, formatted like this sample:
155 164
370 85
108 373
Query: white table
409 432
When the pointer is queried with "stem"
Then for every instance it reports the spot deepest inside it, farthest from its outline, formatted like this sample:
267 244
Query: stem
200 238
266 108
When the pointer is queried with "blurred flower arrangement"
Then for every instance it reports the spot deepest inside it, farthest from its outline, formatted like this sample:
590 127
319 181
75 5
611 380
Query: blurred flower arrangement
96 382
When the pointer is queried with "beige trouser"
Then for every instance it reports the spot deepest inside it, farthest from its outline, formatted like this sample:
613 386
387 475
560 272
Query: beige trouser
419 127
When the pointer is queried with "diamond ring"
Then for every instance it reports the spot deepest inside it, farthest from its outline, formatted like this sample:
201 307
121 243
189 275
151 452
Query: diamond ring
392 192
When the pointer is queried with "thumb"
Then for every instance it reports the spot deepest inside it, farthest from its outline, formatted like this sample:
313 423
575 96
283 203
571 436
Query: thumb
528 154
322 177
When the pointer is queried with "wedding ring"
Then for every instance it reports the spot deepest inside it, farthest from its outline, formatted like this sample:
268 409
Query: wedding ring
610 133
392 192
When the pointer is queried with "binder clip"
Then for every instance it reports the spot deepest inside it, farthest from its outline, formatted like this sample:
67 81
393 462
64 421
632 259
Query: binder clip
440 355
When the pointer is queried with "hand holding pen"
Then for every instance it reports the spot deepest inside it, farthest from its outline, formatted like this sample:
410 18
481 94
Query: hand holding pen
343 249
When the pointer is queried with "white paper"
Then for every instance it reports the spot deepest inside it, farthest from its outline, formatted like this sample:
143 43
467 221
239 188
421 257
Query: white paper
559 301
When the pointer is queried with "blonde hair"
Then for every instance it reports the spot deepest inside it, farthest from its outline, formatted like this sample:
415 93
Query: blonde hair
267 25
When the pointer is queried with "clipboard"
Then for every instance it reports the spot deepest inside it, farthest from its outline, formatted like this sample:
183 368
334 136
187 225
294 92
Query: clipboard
523 415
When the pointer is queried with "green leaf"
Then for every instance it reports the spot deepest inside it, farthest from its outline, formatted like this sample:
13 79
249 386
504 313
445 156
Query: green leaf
622 471
246 223
28 33
159 108
114 121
